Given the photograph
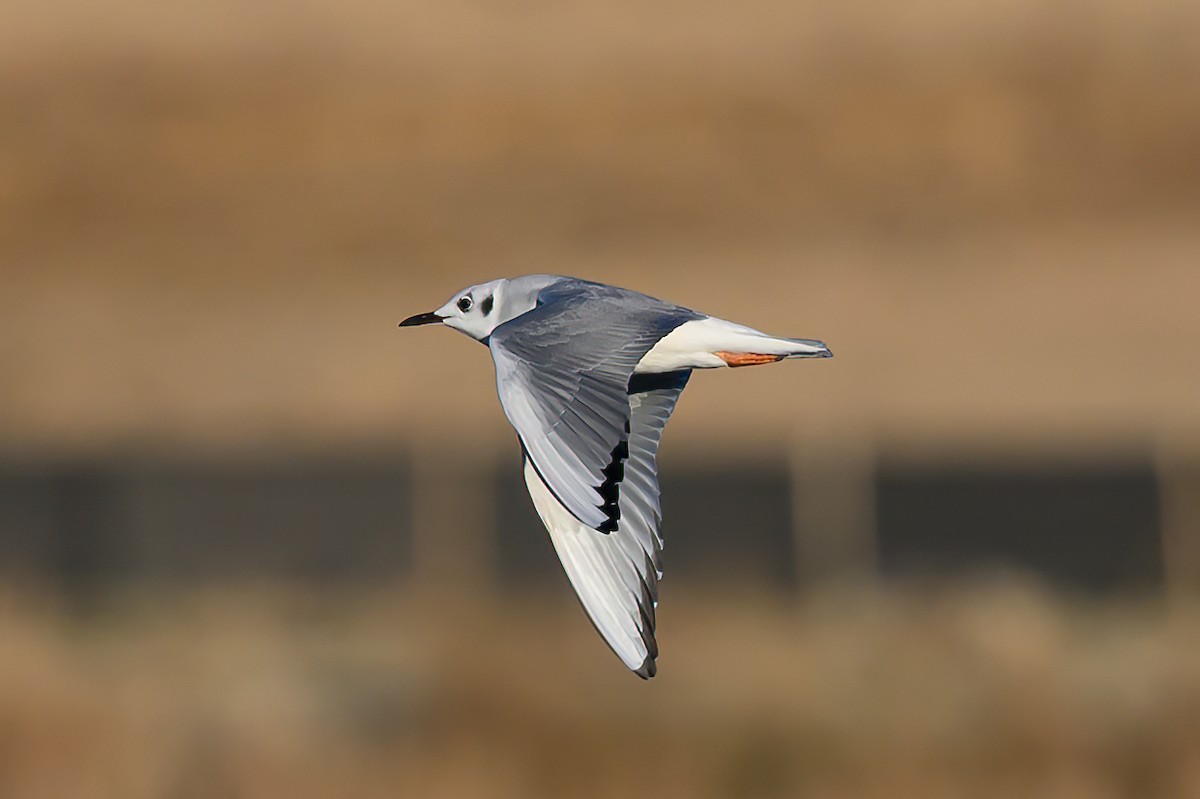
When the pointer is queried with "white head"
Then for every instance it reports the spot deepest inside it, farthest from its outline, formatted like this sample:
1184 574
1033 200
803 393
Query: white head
479 310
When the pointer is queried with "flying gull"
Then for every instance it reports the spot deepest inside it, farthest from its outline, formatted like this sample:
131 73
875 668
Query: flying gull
588 375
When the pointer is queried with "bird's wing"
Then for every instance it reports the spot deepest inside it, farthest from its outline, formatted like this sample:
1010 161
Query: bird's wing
563 372
616 575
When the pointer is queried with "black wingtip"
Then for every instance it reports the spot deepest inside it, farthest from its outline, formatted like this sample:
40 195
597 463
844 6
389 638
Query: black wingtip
610 489
648 669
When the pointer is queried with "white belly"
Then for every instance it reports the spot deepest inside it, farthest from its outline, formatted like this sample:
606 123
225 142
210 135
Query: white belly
692 345
695 344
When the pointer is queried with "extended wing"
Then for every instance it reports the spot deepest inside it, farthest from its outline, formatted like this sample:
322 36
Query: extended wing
616 575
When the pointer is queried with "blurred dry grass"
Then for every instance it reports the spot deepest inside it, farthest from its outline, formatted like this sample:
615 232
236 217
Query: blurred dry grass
366 131
997 690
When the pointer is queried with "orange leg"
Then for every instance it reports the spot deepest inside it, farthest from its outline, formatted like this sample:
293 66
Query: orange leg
747 358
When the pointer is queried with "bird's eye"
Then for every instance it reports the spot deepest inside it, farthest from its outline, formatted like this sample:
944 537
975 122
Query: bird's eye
465 304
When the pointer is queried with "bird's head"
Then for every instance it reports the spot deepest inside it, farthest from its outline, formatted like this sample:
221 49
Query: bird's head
478 310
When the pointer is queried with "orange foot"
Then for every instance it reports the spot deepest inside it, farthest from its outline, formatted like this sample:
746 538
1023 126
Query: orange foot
747 358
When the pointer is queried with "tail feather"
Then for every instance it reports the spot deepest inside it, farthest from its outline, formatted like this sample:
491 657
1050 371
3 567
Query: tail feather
808 348
787 347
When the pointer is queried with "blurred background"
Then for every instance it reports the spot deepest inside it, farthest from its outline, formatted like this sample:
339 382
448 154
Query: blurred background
255 541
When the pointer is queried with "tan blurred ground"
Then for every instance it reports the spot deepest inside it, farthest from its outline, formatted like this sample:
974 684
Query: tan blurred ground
212 216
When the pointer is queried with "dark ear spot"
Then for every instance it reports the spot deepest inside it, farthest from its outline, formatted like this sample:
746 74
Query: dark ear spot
487 304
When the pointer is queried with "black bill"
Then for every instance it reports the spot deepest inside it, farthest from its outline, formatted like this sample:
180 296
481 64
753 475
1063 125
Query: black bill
421 319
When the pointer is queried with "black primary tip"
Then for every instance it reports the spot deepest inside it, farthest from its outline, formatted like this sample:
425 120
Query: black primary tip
647 669
421 319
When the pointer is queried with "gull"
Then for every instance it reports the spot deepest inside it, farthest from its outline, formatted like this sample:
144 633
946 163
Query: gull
588 375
